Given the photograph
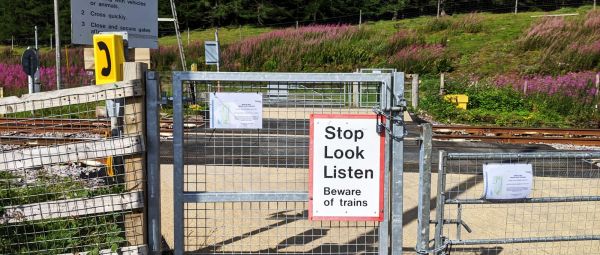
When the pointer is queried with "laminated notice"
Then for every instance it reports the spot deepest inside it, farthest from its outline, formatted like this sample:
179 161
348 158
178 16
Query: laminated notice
236 110
507 181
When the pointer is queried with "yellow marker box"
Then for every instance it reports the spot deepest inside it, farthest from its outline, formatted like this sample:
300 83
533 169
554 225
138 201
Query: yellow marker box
109 57
459 100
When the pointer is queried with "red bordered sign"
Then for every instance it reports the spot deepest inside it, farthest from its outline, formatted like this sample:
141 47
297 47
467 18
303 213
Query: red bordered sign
346 162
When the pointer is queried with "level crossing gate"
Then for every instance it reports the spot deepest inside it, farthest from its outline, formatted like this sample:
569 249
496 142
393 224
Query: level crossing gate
245 191
559 216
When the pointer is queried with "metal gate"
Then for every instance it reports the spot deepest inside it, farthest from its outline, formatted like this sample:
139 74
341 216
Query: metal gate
245 191
560 216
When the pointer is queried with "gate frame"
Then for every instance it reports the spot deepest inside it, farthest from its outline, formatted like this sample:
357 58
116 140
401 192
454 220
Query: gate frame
392 105
439 241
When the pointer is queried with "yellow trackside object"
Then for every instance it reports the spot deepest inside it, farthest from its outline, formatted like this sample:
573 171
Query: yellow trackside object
109 57
459 100
110 170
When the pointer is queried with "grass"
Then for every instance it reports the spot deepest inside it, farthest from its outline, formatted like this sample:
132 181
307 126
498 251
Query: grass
486 51
227 35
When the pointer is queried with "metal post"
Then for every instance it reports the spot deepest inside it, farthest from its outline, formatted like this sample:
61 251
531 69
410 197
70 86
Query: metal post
516 6
36 38
30 84
384 237
152 161
218 57
415 91
441 197
296 24
219 50
57 44
178 205
424 188
188 35
397 162
50 41
36 75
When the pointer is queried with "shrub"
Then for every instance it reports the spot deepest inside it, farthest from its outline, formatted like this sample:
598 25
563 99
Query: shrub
469 23
333 48
420 59
438 24
14 80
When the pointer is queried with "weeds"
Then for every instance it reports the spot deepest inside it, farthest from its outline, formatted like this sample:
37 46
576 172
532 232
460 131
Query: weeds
469 23
66 235
567 45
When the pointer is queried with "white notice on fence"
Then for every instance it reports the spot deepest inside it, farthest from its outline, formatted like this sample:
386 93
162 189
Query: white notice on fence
507 181
346 161
236 110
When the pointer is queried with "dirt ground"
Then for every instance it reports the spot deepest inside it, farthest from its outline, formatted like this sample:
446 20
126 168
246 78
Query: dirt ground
281 227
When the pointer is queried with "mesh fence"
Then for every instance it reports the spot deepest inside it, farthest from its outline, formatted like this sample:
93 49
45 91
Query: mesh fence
271 159
569 225
68 182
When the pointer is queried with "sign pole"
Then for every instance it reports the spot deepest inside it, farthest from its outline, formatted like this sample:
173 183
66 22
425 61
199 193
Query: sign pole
36 37
57 44
218 58
30 84
218 52
36 77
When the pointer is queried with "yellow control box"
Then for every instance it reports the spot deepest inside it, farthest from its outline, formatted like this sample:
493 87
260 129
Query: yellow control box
459 100
109 57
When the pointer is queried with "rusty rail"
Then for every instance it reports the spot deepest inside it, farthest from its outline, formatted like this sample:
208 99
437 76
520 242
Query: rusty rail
588 137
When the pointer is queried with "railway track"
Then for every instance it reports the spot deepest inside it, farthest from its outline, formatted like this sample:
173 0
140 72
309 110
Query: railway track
18 130
587 137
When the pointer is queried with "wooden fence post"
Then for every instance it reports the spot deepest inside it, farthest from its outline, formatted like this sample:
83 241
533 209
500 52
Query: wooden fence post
597 85
134 166
415 91
442 84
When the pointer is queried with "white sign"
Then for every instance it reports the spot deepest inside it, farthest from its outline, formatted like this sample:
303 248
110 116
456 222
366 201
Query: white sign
211 52
236 110
139 18
507 181
346 168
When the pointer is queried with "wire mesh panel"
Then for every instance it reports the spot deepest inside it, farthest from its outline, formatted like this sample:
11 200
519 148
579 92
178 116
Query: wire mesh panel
560 216
68 184
253 173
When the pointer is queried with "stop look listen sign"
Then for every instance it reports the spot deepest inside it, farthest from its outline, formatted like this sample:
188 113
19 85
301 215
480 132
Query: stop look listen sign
346 167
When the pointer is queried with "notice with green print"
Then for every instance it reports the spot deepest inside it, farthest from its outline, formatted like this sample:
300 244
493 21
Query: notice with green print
507 181
236 110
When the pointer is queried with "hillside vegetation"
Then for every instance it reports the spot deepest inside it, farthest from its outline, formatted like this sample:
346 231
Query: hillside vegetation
517 69
522 69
